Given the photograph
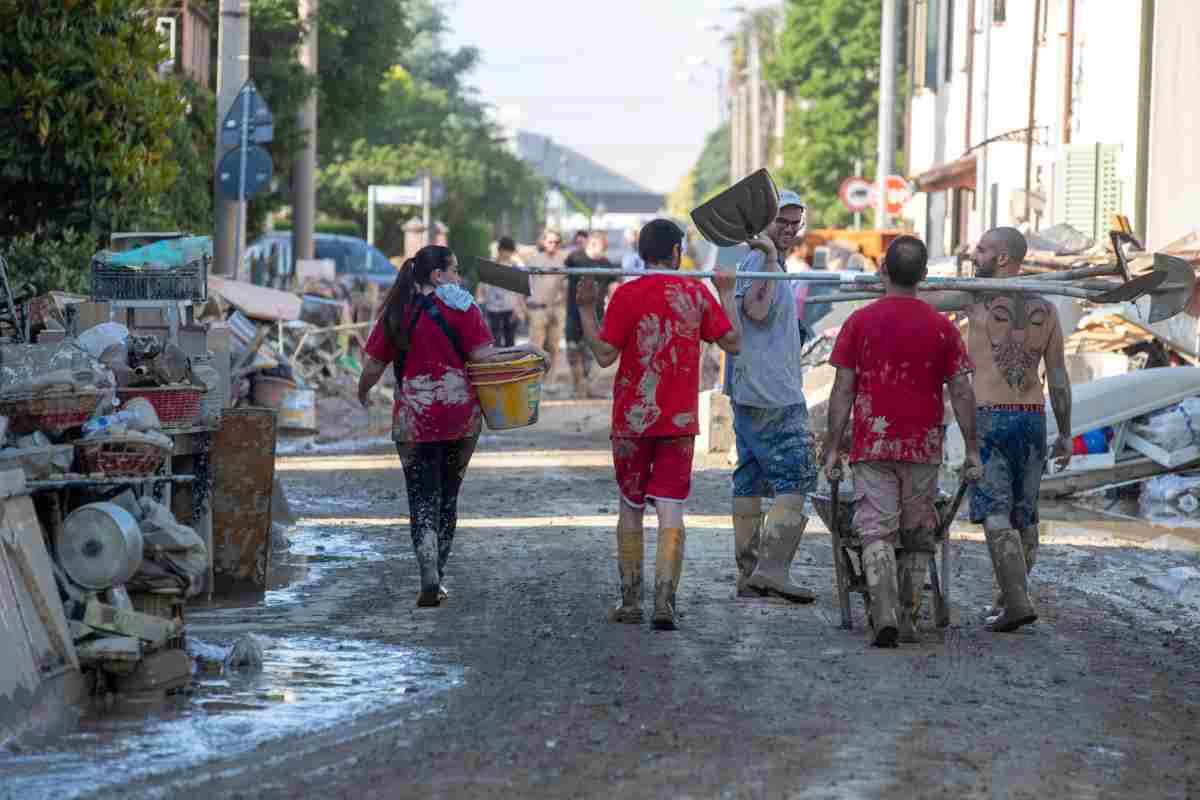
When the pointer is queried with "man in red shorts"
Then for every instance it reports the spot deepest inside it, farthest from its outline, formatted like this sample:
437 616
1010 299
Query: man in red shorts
655 325
893 358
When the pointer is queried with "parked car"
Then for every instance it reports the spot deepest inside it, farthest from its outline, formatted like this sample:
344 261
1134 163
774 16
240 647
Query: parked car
353 257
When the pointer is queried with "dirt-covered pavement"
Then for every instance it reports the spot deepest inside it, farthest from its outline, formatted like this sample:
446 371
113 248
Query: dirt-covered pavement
749 699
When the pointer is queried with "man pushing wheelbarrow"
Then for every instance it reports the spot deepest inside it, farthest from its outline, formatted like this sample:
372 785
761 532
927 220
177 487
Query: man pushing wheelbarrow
893 358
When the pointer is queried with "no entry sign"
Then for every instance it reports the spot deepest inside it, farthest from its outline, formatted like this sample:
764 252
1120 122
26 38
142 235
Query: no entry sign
856 193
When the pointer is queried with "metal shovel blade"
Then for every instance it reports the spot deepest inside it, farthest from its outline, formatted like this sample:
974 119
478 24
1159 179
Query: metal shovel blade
511 278
1131 290
1174 294
740 212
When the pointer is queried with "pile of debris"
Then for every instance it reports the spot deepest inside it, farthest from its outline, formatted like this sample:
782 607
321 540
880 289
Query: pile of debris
289 348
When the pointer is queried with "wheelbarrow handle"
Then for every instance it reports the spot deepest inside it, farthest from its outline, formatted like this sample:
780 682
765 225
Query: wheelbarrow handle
839 565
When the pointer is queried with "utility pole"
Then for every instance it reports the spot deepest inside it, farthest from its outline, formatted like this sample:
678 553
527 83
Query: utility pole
427 205
233 68
983 194
304 172
756 102
780 126
887 111
735 121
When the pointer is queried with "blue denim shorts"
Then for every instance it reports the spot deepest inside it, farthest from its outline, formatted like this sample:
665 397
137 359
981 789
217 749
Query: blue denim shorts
775 450
1012 442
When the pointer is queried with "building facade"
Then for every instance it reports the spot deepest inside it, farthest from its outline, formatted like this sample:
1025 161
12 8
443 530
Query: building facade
1038 112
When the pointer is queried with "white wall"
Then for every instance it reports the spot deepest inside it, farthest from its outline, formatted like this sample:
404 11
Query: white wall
1174 190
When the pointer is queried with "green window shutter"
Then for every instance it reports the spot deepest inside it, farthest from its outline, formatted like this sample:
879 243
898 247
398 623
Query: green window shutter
1108 186
1089 187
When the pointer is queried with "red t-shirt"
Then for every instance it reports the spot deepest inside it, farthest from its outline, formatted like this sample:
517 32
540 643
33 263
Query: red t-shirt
437 402
657 322
902 352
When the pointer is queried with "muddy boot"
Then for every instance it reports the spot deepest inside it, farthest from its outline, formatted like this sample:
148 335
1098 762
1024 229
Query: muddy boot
910 581
668 564
879 565
747 536
781 533
630 551
427 562
1030 540
1008 559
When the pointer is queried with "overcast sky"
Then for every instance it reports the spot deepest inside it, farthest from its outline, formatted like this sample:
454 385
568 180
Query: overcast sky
610 79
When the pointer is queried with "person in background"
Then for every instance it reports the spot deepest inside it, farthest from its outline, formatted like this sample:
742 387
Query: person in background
631 259
546 307
503 308
893 359
578 354
428 329
655 325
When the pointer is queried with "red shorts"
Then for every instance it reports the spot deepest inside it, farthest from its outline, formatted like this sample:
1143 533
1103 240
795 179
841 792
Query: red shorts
653 468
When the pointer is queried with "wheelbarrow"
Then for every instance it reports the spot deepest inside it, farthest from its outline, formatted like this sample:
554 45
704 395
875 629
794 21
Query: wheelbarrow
838 515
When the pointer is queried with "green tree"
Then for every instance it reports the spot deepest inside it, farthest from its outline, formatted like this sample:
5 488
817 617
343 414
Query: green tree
712 168
828 61
85 138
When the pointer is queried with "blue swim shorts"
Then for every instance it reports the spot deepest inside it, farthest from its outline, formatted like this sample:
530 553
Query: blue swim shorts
776 452
1012 443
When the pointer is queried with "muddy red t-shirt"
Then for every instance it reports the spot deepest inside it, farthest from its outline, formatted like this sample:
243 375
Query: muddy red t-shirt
658 322
436 402
902 352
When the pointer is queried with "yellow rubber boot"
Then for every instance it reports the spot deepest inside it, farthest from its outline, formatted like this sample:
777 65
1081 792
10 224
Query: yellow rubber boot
630 552
668 565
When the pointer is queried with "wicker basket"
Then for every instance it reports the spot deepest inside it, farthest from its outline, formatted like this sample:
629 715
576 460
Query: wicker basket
176 406
51 413
120 455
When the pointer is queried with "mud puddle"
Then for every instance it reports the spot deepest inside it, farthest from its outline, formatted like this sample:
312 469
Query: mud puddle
307 683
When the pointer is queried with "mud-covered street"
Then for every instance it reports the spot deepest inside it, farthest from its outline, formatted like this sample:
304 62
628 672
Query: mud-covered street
520 687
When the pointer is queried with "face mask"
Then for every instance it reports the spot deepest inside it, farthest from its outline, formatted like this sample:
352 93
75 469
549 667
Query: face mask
456 297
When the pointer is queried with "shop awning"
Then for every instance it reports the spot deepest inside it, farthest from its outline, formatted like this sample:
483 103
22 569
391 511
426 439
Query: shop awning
959 174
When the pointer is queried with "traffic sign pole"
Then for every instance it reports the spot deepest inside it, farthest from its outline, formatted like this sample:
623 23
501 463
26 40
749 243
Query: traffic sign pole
371 215
241 227
858 214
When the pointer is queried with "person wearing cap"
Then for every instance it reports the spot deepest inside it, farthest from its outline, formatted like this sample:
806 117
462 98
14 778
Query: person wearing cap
775 446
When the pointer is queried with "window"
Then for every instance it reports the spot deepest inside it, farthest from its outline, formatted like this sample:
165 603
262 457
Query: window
999 11
933 15
1088 187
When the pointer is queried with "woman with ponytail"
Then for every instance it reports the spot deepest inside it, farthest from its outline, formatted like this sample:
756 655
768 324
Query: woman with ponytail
428 329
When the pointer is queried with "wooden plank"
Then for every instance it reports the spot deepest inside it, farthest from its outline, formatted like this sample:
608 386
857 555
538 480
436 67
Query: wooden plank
242 461
1065 484
257 302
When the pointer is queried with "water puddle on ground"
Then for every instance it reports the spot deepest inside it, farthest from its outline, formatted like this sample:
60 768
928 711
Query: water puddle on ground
307 683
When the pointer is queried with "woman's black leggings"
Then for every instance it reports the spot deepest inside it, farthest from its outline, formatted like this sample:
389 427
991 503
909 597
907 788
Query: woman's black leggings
433 474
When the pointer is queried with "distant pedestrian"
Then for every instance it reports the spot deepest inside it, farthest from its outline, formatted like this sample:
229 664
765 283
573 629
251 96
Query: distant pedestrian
655 325
578 354
428 330
630 260
547 305
503 307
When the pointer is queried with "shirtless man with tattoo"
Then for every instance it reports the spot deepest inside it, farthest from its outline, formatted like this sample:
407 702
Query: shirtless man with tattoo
1010 336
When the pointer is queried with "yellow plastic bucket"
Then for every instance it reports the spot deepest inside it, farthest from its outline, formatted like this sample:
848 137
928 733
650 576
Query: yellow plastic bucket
510 392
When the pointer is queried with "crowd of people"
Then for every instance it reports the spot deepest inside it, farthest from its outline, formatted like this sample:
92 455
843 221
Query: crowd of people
895 360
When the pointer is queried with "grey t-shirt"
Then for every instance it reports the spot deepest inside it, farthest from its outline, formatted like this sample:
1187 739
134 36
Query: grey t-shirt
766 372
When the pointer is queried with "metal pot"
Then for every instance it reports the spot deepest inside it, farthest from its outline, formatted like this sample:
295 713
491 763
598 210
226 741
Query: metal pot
100 546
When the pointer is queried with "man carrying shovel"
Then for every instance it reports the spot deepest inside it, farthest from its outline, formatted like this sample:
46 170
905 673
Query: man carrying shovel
776 454
893 358
1011 335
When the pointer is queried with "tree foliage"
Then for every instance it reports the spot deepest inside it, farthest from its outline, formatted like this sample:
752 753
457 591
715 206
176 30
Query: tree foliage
828 57
85 140
712 168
